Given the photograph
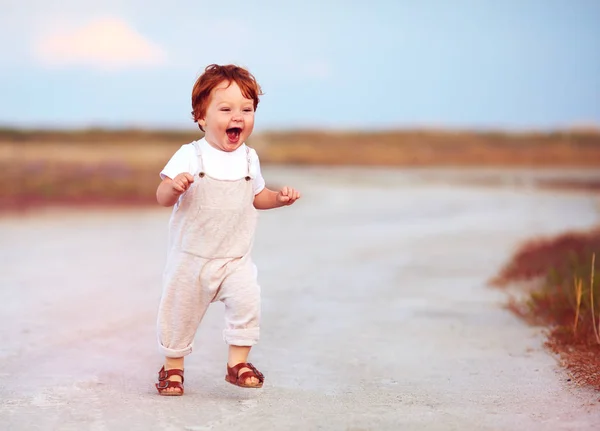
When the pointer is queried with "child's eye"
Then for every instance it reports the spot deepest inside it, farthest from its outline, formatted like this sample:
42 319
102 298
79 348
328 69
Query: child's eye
225 109
248 110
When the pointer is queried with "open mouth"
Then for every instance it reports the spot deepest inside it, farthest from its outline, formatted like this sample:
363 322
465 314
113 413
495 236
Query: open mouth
233 134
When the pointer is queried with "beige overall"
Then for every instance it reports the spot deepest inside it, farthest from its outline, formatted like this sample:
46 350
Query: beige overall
211 232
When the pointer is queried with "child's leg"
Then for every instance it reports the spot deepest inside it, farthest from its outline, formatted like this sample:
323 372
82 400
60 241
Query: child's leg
183 304
240 293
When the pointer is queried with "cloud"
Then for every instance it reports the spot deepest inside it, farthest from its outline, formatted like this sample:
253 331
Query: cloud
106 44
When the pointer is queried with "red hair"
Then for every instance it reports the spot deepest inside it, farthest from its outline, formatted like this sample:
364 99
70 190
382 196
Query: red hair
213 76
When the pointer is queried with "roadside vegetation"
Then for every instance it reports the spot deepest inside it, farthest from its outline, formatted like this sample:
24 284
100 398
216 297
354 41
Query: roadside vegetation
558 285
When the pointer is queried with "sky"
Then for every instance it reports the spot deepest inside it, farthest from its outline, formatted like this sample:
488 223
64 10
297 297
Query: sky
322 64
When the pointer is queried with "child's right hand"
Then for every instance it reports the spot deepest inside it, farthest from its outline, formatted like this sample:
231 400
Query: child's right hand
182 182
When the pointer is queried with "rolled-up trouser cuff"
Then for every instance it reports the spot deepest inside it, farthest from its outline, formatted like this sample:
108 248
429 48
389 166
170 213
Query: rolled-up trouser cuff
175 353
241 337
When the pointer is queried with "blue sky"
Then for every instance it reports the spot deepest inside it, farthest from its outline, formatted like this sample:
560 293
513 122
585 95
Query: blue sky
328 64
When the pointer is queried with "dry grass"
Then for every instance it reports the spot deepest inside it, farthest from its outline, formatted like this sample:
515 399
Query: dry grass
102 168
38 167
440 148
566 299
387 148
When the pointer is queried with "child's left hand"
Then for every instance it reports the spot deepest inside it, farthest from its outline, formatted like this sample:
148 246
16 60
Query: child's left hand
287 196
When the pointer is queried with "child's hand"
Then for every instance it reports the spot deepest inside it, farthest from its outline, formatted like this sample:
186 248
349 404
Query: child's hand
182 182
287 196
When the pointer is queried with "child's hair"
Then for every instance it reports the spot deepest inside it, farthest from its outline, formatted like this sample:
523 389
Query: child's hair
213 75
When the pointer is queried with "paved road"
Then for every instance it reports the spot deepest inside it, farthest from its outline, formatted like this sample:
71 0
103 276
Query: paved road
376 316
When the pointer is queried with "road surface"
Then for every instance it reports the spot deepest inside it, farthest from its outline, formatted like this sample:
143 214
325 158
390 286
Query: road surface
376 315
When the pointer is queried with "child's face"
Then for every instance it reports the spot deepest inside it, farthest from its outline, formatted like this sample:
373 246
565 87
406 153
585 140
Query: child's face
229 117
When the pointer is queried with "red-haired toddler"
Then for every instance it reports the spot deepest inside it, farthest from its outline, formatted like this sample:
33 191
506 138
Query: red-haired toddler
215 187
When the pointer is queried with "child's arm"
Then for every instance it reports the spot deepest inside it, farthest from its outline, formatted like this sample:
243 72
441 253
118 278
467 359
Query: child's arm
268 199
169 190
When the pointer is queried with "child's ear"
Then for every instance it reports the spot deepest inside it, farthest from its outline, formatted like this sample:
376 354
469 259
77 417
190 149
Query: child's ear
202 122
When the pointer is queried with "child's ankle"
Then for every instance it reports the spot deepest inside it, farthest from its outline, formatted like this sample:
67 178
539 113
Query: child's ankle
173 363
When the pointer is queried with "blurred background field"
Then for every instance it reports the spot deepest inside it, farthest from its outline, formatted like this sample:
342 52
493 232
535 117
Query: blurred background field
121 167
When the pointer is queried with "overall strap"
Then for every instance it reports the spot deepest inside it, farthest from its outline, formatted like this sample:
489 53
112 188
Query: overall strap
200 161
248 177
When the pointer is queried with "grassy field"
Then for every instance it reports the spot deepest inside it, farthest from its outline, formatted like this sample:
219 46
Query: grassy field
387 148
433 148
114 167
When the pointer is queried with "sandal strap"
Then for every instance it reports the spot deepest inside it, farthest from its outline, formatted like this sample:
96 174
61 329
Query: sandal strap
235 370
258 374
166 384
165 374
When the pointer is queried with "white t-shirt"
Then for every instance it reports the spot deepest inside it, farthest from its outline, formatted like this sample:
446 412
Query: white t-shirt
218 164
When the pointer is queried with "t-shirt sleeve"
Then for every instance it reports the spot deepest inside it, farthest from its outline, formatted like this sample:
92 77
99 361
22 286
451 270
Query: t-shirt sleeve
258 180
180 162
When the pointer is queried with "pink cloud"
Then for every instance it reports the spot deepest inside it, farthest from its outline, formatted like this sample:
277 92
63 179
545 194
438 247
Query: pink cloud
107 44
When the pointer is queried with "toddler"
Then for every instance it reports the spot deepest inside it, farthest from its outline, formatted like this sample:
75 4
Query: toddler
215 187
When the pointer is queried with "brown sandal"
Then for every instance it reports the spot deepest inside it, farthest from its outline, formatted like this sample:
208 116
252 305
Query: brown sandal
239 380
164 383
